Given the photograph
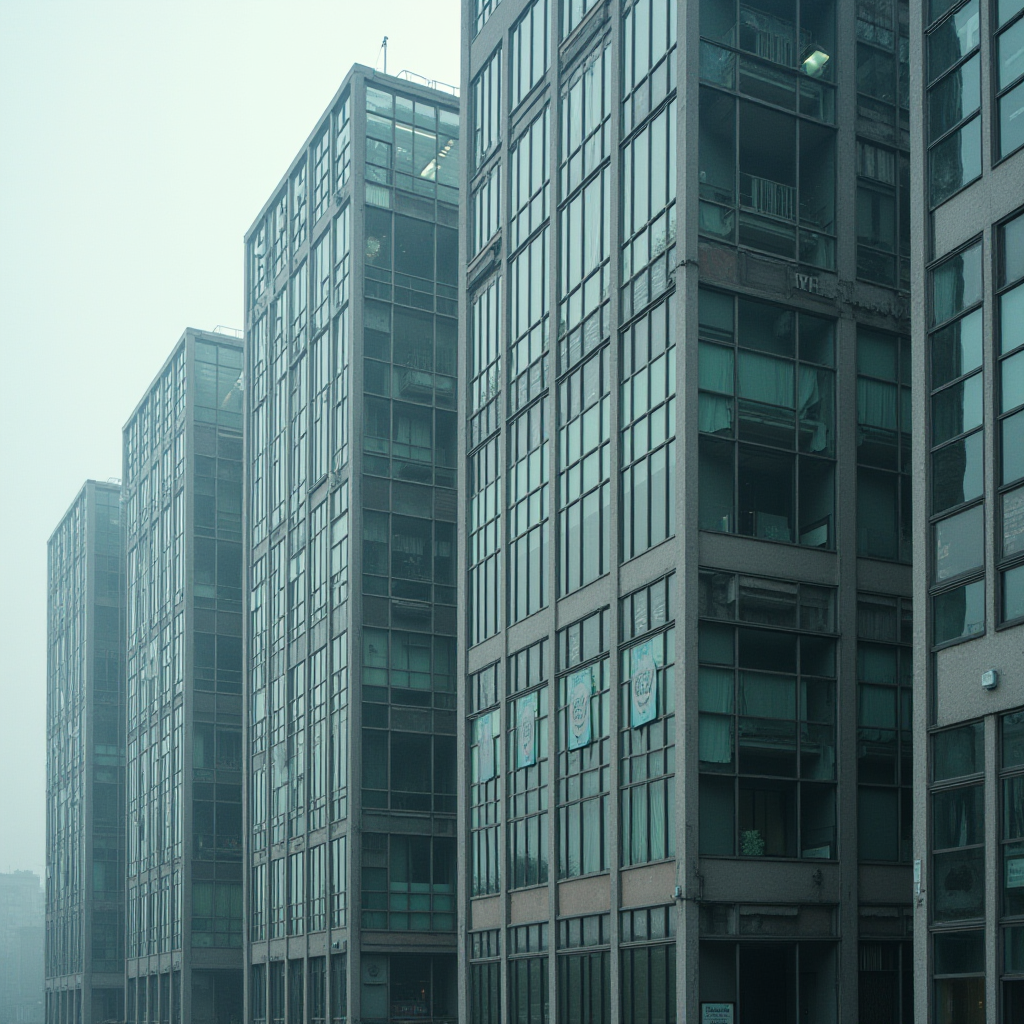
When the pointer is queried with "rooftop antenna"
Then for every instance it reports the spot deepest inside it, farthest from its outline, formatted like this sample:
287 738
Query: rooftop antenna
384 47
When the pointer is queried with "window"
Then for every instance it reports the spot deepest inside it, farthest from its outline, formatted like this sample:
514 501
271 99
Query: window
1012 781
649 211
767 700
648 967
528 362
342 143
485 976
484 556
584 489
954 100
1010 299
884 728
583 969
529 183
767 418
485 793
883 446
958 826
486 210
883 216
322 173
648 414
485 104
584 746
528 766
485 363
483 10
957 445
648 58
1009 47
529 511
530 50
299 206
647 741
408 883
585 214
528 974
885 981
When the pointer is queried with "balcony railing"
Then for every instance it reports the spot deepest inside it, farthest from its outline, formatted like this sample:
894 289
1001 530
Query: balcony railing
762 195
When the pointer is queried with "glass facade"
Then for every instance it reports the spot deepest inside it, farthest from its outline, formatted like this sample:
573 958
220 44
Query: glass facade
85 831
351 547
183 505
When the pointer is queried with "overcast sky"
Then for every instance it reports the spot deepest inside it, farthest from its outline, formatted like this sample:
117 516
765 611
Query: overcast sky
138 141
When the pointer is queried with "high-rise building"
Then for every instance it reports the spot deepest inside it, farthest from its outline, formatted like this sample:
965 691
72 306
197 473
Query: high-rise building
182 493
684 581
968 359
85 761
21 948
351 326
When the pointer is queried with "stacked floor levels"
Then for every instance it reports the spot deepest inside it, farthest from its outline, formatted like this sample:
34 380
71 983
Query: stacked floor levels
85 762
968 342
685 621
182 492
351 303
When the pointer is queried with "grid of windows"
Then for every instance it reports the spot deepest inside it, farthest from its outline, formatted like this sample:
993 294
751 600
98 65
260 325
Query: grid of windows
883 445
883 215
767 416
953 80
647 737
484 542
408 883
584 746
528 988
584 471
648 58
583 969
647 414
885 679
1009 47
342 142
484 785
767 175
648 965
529 511
1012 783
586 209
957 444
486 210
529 181
485 104
413 145
529 322
485 976
527 774
529 51
1010 300
883 64
957 845
767 700
648 211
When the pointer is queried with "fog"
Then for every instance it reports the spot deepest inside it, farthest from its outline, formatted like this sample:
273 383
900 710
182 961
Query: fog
138 141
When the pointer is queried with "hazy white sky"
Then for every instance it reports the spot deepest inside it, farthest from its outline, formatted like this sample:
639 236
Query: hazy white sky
138 141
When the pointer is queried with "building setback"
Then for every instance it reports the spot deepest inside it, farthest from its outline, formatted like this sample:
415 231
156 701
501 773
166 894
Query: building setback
968 351
685 620
351 305
85 764
182 492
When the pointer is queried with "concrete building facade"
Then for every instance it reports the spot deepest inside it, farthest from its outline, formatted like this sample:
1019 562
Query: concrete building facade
351 326
85 837
968 351
182 493
685 617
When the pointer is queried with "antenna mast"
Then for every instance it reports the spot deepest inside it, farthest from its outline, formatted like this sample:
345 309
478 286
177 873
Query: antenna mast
384 45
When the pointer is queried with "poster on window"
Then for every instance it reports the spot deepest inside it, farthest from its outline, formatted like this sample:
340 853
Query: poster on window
526 731
717 1013
643 683
1015 872
485 748
581 689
